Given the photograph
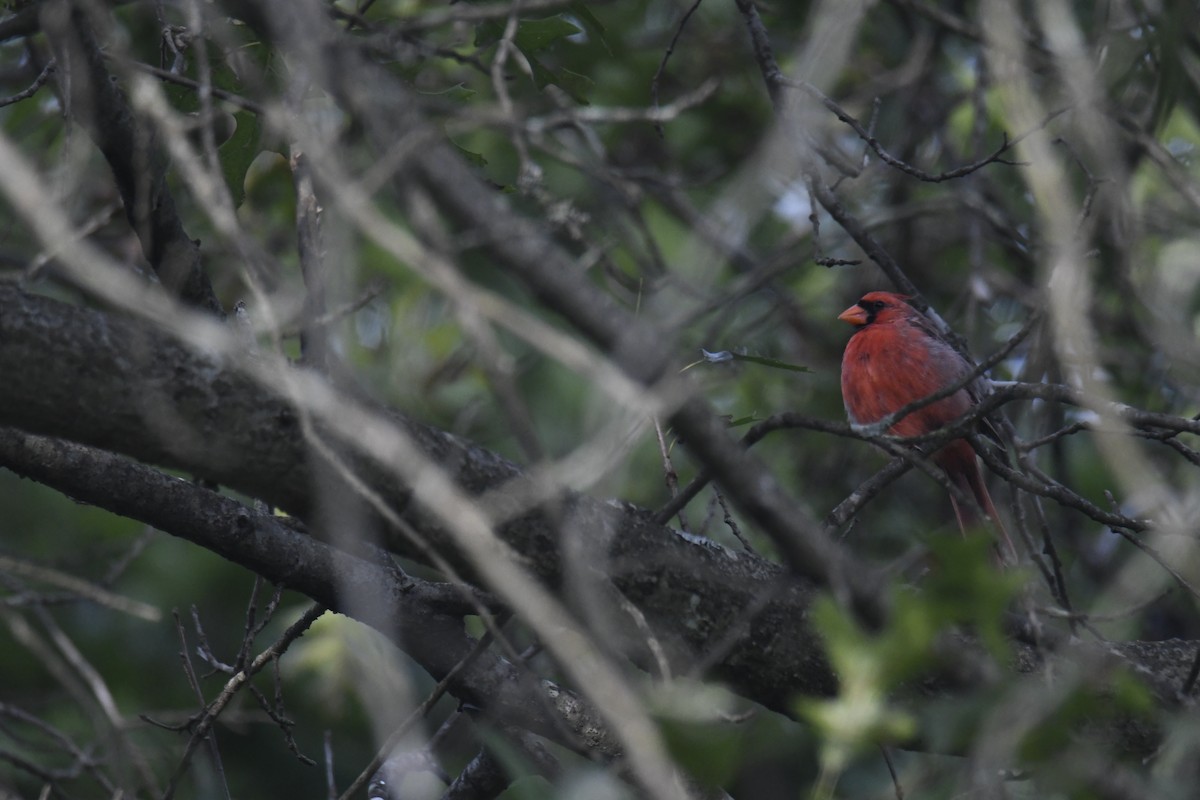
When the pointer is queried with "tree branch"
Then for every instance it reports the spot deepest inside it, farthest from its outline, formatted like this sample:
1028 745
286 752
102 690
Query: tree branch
763 649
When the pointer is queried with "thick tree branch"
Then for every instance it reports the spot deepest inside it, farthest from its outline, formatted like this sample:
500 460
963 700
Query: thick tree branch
105 382
130 147
703 603
529 253
422 618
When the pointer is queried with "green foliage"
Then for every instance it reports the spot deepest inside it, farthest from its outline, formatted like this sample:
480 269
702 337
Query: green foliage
534 36
238 133
1066 715
862 715
962 591
238 152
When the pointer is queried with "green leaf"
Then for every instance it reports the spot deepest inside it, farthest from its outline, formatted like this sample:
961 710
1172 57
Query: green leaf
774 363
488 33
593 25
723 356
710 752
578 86
694 719
542 76
538 34
475 158
861 715
965 586
532 34
238 152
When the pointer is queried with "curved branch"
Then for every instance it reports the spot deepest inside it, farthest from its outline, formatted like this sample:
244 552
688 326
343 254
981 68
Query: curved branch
420 617
754 633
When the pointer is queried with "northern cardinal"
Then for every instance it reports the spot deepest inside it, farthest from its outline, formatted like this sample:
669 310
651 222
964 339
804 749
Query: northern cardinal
896 356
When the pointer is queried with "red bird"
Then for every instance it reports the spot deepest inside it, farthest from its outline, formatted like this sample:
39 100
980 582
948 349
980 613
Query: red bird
896 356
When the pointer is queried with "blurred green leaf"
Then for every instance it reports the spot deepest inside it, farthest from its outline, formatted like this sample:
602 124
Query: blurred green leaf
238 152
538 34
708 751
965 586
532 35
476 159
860 716
580 87
591 23
1063 716
773 363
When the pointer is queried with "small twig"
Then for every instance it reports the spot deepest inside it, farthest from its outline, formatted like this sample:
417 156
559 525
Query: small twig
418 713
814 218
372 290
993 158
82 759
662 66
314 338
1077 616
876 104
1093 185
277 714
647 633
199 734
202 725
204 650
887 759
730 522
1059 584
1188 453
1026 446
669 474
330 784
1150 551
248 628
89 226
80 587
32 89
1036 482
866 491
171 77
536 126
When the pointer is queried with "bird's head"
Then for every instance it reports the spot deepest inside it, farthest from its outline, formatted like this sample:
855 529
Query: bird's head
876 306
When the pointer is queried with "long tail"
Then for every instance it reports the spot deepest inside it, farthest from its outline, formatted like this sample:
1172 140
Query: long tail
962 467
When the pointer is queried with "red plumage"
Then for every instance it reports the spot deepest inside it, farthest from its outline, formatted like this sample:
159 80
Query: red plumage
894 357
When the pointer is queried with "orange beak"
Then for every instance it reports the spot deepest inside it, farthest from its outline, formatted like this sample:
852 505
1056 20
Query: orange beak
855 315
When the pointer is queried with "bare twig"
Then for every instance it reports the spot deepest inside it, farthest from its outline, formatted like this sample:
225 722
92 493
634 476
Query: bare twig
662 65
368 773
201 726
669 473
33 88
80 587
993 158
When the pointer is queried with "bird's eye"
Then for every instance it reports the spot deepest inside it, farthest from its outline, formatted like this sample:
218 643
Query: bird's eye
872 305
